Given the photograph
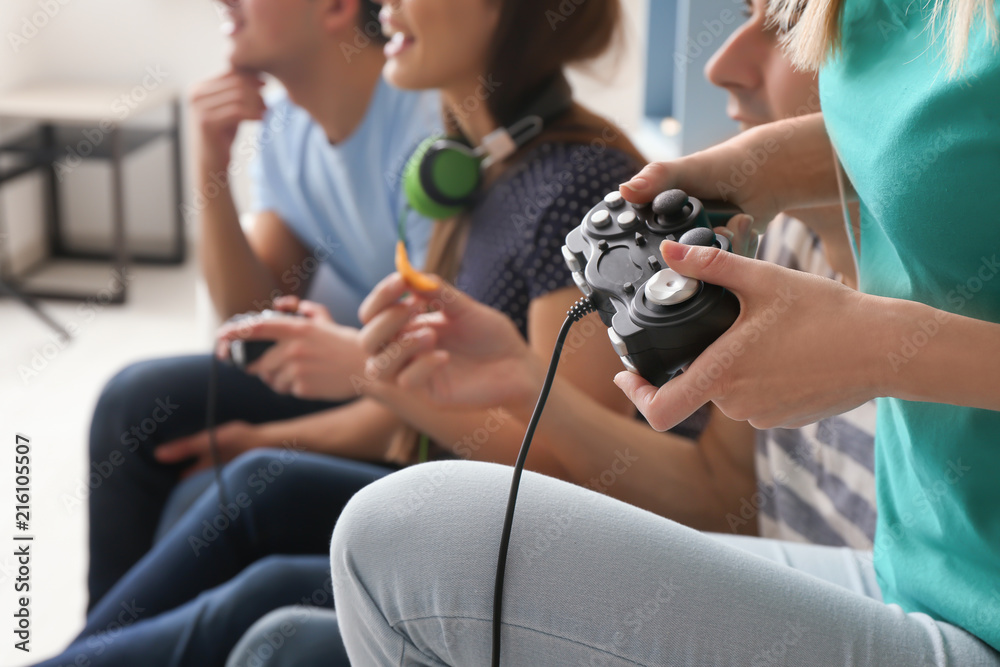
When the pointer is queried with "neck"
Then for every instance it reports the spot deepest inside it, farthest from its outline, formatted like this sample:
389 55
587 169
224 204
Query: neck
827 222
334 91
469 110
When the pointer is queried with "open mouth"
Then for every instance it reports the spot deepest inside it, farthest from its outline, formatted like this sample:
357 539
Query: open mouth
232 25
399 40
398 43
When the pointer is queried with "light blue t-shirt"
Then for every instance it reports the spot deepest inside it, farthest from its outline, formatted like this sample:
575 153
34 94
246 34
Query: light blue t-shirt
343 201
923 151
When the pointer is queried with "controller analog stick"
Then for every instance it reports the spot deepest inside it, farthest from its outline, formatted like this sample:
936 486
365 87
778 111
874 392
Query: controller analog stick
698 236
670 204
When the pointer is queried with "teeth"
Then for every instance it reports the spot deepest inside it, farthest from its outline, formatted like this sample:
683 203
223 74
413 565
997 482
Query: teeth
397 39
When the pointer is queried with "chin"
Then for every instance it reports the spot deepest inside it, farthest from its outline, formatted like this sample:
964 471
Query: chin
402 76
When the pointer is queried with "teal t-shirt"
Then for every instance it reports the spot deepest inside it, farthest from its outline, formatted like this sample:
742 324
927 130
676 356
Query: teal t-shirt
922 149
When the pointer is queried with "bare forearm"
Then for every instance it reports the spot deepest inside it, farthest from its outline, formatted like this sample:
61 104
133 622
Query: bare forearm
493 435
932 355
663 473
360 430
237 280
773 167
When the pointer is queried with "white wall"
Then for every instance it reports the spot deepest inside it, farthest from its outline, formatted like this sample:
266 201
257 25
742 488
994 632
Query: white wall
115 41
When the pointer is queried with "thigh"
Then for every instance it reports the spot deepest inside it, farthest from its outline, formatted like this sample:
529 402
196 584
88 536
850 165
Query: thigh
298 636
592 581
849 568
203 631
279 502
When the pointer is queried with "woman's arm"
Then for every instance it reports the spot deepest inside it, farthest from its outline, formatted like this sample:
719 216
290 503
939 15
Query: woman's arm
805 348
467 354
770 168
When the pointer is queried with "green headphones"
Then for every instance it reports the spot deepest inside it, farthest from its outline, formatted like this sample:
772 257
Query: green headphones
443 175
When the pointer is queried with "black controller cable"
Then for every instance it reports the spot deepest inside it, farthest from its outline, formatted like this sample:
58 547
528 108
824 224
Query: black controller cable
580 309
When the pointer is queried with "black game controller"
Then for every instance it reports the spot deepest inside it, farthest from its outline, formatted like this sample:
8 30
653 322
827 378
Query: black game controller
242 352
658 320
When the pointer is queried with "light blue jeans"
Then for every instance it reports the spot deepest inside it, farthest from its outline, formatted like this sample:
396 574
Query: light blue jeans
594 581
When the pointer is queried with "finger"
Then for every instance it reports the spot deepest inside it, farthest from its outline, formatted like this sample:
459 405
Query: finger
289 303
418 373
386 326
270 364
652 179
387 364
714 266
315 311
182 448
739 231
277 328
284 378
388 291
202 463
667 406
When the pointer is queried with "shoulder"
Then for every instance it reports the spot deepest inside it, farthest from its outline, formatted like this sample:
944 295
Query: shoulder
561 181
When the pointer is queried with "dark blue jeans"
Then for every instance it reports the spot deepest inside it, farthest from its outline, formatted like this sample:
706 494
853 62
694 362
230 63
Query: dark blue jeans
222 567
146 404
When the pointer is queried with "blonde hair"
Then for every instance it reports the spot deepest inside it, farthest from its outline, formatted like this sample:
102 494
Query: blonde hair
812 28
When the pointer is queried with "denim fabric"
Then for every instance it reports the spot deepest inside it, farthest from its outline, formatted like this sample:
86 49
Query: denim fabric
146 404
299 636
189 599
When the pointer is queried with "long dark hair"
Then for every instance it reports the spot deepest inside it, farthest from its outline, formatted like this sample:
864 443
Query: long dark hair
533 43
523 61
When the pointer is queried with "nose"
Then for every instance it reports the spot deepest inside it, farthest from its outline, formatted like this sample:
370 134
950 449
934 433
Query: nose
738 62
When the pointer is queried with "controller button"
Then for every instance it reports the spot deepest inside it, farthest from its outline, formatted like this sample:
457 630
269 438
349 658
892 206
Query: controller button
668 288
582 283
653 263
600 218
602 245
627 220
571 261
702 236
617 342
614 199
629 365
640 240
670 203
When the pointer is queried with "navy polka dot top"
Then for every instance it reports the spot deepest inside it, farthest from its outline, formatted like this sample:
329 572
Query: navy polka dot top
513 253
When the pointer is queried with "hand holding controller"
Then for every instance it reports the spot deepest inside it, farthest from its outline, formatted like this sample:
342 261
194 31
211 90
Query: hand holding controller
242 352
658 320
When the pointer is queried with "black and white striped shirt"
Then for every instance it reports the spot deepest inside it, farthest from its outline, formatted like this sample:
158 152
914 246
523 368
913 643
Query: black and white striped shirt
817 483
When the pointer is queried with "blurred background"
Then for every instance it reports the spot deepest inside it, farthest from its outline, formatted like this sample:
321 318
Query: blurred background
75 64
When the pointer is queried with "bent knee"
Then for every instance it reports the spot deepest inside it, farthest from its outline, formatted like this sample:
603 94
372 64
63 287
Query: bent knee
390 515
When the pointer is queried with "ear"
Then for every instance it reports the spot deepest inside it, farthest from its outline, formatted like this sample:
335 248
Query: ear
339 15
